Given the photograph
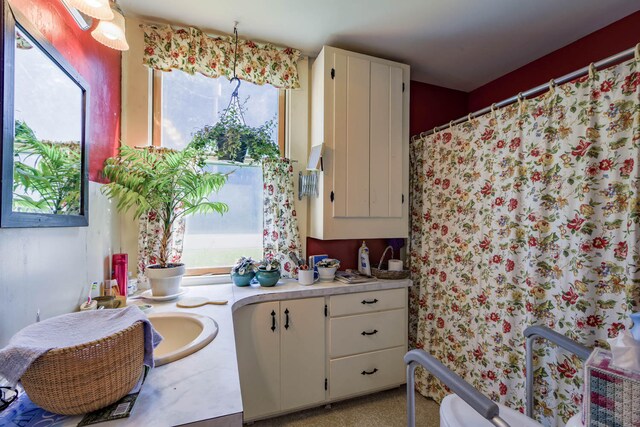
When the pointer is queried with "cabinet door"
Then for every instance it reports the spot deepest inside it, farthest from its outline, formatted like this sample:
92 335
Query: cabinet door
351 136
258 348
386 141
302 352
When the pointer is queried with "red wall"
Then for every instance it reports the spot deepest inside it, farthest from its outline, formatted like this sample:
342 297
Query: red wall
98 65
347 250
598 45
433 106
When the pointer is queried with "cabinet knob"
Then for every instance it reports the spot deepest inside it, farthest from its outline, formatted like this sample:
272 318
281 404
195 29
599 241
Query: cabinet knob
364 301
375 331
369 373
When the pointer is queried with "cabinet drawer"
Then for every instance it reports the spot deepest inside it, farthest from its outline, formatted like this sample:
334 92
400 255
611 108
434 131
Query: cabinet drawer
367 302
367 332
366 372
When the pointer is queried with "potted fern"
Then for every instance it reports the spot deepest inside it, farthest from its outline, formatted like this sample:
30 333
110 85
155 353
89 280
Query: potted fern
170 183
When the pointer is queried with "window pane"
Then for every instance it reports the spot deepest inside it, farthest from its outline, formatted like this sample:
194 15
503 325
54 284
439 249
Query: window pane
188 104
213 240
191 102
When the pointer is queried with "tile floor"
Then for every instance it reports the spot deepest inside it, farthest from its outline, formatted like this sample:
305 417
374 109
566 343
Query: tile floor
384 409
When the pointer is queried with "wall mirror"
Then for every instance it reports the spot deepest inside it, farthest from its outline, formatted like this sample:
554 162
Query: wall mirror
44 132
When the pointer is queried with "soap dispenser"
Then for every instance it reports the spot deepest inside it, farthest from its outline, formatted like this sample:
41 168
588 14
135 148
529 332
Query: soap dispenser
364 265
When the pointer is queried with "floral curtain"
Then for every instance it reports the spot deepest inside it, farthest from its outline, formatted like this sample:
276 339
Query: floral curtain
192 51
528 215
280 235
149 236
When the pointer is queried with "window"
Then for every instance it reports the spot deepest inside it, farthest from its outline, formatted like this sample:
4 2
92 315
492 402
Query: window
185 103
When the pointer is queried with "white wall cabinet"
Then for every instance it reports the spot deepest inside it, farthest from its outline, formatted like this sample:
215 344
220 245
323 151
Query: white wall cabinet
281 358
285 364
360 112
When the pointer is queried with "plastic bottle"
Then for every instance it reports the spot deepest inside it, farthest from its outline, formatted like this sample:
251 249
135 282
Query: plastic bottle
364 265
119 272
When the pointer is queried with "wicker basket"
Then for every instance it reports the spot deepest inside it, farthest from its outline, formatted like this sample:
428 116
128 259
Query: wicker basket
386 274
87 377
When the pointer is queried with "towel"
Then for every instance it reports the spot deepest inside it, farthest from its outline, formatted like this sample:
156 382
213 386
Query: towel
70 330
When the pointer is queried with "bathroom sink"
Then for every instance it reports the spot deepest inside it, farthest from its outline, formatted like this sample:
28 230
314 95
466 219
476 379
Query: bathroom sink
183 334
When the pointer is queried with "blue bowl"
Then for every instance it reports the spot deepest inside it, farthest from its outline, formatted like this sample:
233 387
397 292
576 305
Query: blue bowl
242 279
268 278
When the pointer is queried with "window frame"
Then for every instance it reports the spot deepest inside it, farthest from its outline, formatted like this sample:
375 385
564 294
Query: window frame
156 141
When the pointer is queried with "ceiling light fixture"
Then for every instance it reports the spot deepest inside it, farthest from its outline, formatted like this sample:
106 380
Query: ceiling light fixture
98 9
112 33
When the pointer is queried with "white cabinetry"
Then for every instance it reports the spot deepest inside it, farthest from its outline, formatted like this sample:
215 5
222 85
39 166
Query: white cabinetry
281 359
360 112
285 365
368 335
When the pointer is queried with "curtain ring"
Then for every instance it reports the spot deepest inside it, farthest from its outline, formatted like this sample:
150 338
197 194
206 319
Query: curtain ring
450 124
592 71
469 118
637 52
520 102
493 110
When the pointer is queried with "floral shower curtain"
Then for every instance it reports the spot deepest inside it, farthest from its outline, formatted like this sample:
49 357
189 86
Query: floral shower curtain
528 215
280 235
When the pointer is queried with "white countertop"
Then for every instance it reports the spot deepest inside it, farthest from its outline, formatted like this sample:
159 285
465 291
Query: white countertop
206 384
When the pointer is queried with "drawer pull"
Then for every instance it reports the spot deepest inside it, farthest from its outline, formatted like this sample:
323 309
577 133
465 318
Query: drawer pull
375 331
273 321
369 373
364 301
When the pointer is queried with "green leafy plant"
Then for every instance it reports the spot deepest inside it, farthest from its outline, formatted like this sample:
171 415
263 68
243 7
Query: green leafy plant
170 183
46 175
231 139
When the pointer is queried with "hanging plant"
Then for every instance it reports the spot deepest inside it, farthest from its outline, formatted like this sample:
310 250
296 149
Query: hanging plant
231 139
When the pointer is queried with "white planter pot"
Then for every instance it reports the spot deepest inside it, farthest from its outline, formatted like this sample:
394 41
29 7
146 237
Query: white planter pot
165 281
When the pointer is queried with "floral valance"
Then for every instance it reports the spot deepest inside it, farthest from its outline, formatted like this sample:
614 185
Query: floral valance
192 51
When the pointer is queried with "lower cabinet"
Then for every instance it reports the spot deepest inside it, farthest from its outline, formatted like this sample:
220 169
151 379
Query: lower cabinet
285 364
281 355
367 338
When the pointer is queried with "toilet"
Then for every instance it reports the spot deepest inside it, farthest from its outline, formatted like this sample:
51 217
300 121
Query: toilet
455 412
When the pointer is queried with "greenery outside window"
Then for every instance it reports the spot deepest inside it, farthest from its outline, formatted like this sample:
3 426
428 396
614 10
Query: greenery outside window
184 104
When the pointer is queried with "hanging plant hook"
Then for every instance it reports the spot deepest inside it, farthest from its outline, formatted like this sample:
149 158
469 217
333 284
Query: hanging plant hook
235 62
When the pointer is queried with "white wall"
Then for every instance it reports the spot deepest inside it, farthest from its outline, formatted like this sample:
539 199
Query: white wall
47 268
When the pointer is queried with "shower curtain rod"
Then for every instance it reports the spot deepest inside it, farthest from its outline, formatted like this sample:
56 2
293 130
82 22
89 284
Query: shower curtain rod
538 89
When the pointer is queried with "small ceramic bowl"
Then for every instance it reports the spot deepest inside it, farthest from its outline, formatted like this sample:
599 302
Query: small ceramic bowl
268 278
242 279
327 274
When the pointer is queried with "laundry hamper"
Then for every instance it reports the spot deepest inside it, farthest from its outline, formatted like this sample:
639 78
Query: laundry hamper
84 378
